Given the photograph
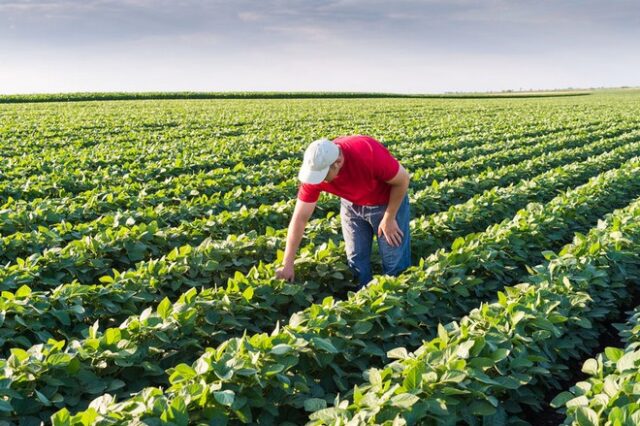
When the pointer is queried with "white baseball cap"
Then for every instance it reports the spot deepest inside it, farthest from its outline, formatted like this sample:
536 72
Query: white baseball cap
318 157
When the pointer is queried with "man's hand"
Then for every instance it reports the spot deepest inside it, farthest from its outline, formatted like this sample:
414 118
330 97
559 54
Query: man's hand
287 272
301 214
389 227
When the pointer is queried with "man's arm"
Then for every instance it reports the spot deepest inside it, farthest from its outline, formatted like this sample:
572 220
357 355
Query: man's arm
388 225
301 214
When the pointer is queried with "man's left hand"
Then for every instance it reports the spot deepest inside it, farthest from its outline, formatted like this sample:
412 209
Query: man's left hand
389 227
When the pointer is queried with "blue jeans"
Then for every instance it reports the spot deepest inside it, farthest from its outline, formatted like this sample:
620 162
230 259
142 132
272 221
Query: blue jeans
360 225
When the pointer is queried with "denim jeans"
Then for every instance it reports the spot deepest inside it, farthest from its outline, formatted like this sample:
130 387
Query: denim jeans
360 225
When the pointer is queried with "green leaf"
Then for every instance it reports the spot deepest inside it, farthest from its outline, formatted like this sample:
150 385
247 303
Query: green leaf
314 404
23 292
463 349
164 308
112 336
182 372
481 408
61 418
375 378
457 243
225 397
62 316
106 279
499 418
442 334
247 294
584 323
627 361
587 417
561 399
19 354
577 402
45 401
296 319
413 377
404 400
398 353
362 327
324 345
281 349
590 367
500 354
613 354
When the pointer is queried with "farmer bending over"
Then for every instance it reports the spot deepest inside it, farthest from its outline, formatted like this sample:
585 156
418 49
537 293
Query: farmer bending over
372 186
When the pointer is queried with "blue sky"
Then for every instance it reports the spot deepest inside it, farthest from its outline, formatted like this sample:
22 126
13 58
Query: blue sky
392 46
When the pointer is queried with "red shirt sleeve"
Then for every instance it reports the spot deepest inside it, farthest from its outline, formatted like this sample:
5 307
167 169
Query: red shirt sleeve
309 193
385 166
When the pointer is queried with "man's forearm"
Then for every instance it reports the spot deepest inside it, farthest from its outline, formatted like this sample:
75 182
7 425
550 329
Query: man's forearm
395 199
294 237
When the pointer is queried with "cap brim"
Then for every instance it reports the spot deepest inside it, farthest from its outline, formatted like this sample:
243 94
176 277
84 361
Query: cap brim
312 176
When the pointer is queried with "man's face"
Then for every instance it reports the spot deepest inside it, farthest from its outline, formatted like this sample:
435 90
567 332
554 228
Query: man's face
334 169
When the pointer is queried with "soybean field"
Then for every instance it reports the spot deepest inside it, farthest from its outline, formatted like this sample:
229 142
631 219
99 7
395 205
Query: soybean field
139 242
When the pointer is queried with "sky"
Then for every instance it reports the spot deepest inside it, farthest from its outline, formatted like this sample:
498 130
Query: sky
401 46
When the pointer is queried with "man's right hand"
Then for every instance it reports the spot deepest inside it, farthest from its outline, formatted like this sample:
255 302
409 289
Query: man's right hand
287 272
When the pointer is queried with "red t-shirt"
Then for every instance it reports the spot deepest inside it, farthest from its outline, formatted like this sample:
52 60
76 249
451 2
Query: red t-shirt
361 179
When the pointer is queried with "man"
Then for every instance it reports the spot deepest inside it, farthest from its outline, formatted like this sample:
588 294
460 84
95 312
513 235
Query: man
373 188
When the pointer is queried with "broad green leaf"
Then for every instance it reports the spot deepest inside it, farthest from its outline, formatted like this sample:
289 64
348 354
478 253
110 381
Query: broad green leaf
500 354
398 353
404 400
281 349
613 354
362 327
561 399
590 367
628 361
442 334
225 397
577 402
413 377
587 417
324 345
164 308
314 404
481 408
